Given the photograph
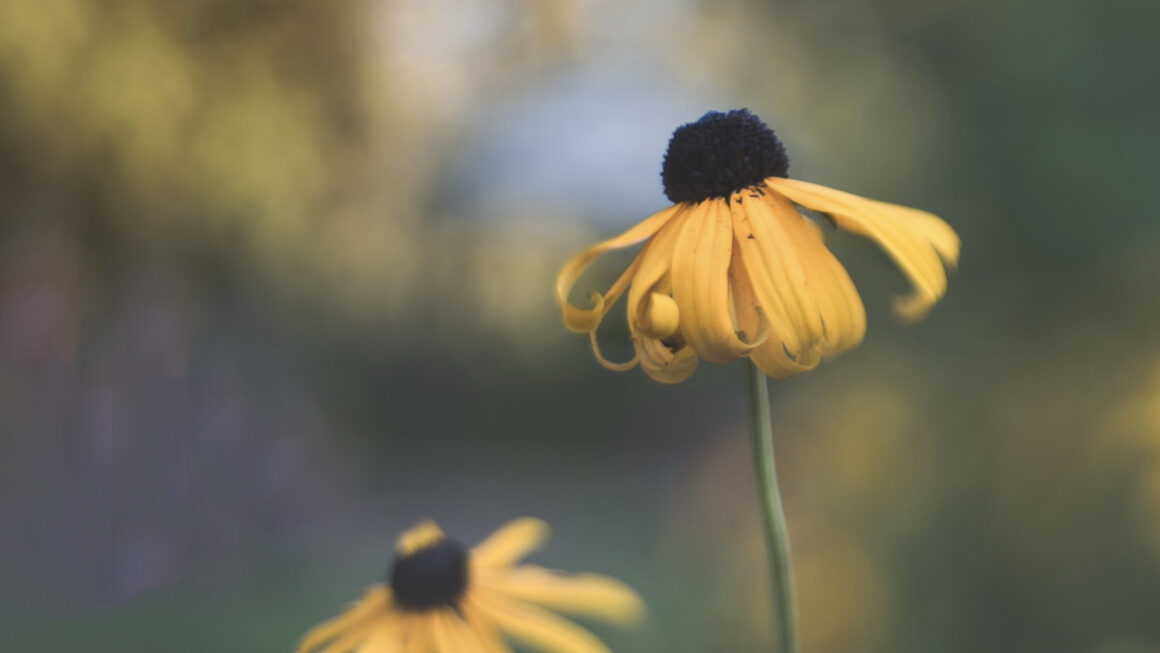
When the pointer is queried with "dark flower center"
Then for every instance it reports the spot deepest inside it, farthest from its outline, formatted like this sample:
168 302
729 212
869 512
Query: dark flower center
719 154
430 577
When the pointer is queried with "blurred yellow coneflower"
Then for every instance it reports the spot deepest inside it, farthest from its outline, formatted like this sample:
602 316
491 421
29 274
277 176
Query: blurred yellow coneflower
733 269
441 597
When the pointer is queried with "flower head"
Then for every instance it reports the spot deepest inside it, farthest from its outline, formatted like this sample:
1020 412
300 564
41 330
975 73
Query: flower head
734 269
441 597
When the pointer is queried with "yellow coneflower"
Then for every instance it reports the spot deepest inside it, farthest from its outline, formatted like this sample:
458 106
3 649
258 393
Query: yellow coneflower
734 269
441 597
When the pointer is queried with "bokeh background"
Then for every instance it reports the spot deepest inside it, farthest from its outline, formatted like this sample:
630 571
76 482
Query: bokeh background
275 283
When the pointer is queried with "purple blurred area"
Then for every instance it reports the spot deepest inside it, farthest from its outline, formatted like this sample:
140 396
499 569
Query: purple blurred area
136 454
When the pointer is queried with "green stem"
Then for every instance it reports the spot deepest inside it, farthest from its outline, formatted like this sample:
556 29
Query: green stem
776 536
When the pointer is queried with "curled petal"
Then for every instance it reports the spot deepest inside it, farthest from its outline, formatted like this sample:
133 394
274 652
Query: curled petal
580 319
919 242
777 227
700 279
653 272
775 274
772 357
646 270
662 363
752 324
607 364
661 317
839 305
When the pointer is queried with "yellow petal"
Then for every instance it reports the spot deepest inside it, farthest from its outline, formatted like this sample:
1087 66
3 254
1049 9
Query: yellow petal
774 222
374 603
752 324
589 595
824 288
484 628
931 227
420 639
536 627
652 283
450 634
660 317
417 636
420 536
347 642
579 319
767 274
387 637
655 262
662 363
772 357
511 542
839 305
700 278
918 242
604 362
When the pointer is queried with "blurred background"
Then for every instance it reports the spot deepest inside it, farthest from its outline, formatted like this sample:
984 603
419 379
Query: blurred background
275 283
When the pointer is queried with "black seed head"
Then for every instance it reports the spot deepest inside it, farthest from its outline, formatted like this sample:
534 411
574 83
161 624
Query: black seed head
719 154
430 577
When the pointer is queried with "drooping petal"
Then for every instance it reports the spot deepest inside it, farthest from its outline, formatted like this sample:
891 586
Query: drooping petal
511 542
941 235
772 357
777 227
649 266
653 315
584 320
752 324
374 603
919 242
700 278
655 263
536 627
839 305
590 595
775 274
